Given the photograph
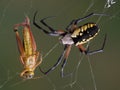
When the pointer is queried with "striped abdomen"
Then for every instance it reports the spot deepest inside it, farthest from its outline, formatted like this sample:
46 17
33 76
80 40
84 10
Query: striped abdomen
85 33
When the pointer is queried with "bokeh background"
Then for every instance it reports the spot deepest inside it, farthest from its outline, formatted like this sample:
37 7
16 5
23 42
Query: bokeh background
103 66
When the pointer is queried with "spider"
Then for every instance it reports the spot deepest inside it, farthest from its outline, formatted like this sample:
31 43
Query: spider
77 35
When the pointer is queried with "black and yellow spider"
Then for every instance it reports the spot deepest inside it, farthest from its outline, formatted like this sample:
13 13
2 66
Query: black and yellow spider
77 35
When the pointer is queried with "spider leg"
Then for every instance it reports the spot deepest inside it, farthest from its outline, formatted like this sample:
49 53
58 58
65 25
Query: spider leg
52 31
87 52
34 23
65 61
56 64
75 22
44 23
88 16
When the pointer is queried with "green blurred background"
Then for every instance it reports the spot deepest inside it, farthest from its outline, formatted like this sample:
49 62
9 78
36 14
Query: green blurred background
105 66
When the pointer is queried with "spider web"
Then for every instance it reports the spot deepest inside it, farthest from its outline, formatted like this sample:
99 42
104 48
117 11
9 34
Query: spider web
14 11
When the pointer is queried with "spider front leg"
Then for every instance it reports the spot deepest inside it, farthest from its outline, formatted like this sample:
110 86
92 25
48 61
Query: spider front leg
52 32
56 64
65 54
65 61
73 23
87 52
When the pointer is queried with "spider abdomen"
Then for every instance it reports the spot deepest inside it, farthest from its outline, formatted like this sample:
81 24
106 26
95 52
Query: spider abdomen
85 33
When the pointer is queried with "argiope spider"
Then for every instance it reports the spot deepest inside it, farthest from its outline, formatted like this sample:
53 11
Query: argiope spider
77 35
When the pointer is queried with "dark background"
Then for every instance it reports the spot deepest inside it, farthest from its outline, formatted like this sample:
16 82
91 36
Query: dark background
105 66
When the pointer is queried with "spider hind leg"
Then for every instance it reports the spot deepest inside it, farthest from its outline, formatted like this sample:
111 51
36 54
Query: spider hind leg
88 52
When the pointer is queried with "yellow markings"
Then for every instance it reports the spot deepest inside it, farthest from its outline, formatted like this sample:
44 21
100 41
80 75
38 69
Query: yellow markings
89 25
75 33
82 29
85 27
81 34
78 43
86 40
83 40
